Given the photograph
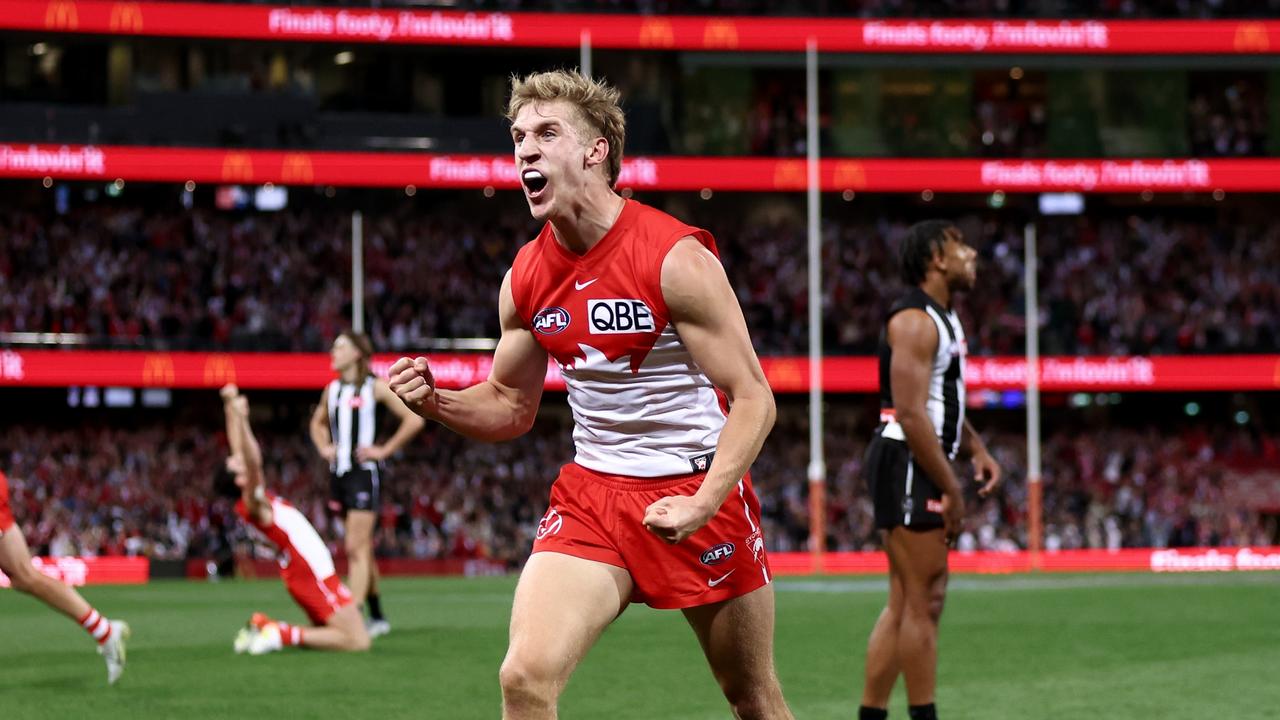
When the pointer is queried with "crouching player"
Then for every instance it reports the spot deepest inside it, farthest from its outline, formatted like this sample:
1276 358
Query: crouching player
305 564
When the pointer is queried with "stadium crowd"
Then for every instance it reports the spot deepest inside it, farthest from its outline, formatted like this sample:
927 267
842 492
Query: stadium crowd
1115 283
92 489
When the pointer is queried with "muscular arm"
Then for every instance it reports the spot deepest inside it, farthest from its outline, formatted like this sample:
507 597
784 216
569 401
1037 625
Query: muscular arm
500 408
913 338
708 319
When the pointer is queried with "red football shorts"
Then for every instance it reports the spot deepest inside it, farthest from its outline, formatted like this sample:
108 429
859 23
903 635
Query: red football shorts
600 517
6 512
320 599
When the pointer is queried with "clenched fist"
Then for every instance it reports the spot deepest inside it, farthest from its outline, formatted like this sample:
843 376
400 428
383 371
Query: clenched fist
412 382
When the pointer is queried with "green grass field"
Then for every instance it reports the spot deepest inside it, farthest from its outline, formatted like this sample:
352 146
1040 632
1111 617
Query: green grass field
1044 646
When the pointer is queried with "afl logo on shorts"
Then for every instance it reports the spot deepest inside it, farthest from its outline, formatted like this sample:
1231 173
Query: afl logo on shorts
550 524
717 554
550 321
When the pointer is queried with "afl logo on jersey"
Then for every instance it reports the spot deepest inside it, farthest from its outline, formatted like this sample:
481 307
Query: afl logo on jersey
550 321
717 554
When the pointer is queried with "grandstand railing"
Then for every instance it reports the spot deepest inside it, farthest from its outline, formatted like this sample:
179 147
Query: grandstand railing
548 30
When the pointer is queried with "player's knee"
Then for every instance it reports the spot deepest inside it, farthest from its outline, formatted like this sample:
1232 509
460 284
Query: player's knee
25 578
937 600
526 679
356 547
925 607
359 642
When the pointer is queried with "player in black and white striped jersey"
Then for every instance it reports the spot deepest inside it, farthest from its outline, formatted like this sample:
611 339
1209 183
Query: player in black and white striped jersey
918 501
344 428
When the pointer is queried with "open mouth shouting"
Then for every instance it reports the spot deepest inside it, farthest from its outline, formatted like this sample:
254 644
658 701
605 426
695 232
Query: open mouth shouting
534 182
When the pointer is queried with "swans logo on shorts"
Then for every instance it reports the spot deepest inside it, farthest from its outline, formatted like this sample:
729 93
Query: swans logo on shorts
755 541
717 554
550 321
549 524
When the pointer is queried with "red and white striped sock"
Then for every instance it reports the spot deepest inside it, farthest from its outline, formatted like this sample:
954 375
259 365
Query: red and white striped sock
96 625
290 634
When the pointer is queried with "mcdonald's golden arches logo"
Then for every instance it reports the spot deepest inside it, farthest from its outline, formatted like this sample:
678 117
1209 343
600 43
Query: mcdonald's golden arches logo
126 17
784 375
850 175
657 32
789 175
237 167
157 369
219 369
720 34
296 168
62 15
1252 37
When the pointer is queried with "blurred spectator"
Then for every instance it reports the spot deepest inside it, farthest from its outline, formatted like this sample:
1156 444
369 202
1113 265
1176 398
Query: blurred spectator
1112 283
96 490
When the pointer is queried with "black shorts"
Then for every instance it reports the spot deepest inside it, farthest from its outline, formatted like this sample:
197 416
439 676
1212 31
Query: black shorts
354 490
901 490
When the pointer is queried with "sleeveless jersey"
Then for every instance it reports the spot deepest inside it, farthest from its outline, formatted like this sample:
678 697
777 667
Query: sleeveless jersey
642 407
353 421
303 555
945 403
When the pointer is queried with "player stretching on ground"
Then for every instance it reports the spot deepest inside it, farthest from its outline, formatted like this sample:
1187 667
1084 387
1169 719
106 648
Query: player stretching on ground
657 506
918 502
305 564
15 561
344 429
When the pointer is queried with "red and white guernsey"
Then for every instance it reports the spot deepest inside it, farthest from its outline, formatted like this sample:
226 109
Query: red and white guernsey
642 407
304 558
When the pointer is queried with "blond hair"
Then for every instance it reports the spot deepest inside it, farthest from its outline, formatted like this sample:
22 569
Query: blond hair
595 100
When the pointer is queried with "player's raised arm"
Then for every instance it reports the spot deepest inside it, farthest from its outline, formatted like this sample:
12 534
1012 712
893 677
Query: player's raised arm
229 393
709 320
914 339
500 408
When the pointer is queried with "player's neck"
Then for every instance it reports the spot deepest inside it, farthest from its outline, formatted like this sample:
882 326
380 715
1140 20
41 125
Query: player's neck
351 375
935 286
589 221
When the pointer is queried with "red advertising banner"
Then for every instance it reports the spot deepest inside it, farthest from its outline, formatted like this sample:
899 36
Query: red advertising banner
300 371
1127 560
468 567
427 170
92 570
563 30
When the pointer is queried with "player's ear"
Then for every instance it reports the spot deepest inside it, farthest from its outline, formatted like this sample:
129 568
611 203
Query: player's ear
597 152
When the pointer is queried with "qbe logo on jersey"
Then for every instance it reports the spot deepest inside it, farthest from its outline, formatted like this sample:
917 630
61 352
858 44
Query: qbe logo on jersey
615 317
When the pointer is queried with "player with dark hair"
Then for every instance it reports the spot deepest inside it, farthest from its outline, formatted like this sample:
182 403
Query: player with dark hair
344 429
918 501
305 563
15 562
